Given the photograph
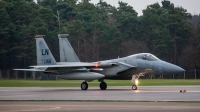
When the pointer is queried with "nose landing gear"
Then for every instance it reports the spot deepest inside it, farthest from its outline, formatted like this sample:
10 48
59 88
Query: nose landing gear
135 81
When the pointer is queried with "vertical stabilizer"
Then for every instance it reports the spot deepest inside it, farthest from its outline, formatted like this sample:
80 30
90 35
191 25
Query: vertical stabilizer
67 53
44 56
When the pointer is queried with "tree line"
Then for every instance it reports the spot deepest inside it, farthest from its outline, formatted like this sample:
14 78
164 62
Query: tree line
98 31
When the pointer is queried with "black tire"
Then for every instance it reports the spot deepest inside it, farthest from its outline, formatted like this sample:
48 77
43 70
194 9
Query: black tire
103 86
134 87
84 86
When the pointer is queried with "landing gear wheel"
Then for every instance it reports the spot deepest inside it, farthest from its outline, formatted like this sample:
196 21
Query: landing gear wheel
103 86
84 86
134 87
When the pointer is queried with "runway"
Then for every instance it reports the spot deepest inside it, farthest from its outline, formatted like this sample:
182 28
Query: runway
98 106
144 93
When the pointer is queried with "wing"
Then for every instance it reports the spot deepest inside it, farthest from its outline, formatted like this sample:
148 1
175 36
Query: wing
63 67
82 64
67 65
36 70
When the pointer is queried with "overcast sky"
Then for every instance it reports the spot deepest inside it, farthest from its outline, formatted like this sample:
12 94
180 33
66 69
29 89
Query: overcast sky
192 6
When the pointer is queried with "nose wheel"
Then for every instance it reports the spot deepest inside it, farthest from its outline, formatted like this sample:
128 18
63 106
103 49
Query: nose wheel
103 86
134 87
84 86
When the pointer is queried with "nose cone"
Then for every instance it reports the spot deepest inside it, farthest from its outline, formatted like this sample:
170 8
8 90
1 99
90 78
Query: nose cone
171 68
176 69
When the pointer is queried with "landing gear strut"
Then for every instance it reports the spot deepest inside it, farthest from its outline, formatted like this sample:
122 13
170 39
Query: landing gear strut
135 81
84 86
103 86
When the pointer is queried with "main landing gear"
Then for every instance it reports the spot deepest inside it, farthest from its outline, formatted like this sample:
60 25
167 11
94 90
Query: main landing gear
84 86
103 86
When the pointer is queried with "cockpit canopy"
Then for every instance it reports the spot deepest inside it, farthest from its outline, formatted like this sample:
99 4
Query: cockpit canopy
146 56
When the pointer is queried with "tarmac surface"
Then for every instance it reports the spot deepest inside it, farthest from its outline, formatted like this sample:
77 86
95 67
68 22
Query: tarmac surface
73 99
64 106
144 93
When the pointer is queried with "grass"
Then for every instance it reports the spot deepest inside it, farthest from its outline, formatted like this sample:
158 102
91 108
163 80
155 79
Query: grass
69 83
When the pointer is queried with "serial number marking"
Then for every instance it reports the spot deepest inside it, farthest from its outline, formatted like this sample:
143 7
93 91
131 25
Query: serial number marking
47 61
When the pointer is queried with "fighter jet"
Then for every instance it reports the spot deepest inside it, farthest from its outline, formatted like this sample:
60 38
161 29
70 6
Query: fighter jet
71 68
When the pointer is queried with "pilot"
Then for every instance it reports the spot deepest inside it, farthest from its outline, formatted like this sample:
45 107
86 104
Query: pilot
144 57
